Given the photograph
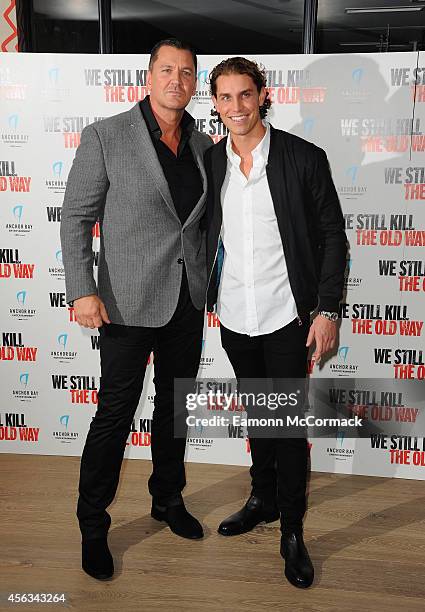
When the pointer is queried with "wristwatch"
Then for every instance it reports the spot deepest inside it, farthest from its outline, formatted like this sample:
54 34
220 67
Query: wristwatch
330 316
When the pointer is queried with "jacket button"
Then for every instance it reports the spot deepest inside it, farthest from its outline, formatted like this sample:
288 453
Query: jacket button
180 260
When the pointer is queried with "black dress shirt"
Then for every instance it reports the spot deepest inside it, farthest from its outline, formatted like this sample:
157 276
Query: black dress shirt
181 172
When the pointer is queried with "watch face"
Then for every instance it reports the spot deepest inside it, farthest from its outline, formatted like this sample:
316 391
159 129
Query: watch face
331 316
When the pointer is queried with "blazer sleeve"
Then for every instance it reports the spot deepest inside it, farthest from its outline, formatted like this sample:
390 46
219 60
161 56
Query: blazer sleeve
332 237
206 219
83 204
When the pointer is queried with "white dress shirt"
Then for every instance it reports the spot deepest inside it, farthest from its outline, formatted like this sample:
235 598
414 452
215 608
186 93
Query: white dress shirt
254 295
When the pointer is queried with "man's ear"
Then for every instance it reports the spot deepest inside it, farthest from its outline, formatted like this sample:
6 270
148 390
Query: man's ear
262 96
149 79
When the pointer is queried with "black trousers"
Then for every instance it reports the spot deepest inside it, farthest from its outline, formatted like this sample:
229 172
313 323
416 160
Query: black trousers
279 465
124 351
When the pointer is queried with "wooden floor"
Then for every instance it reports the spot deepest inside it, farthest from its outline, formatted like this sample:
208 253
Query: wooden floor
366 537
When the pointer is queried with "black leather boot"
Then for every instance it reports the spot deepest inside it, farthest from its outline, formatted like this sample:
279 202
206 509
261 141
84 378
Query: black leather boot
298 566
180 521
97 560
254 512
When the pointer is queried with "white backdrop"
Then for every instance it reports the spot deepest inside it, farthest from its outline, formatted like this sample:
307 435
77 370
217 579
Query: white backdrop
368 113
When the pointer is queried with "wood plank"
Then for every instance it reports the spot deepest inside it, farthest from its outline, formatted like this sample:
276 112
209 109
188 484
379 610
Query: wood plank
365 535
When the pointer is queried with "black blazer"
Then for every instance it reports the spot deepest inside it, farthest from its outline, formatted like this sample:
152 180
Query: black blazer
308 214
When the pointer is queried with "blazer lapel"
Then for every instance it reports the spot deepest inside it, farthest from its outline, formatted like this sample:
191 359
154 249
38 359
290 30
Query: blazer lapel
147 155
198 155
275 170
279 184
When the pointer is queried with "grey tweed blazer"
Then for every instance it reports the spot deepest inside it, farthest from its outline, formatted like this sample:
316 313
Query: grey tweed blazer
116 177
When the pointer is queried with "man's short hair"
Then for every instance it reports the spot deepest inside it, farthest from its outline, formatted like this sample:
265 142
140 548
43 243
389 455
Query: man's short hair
177 44
241 65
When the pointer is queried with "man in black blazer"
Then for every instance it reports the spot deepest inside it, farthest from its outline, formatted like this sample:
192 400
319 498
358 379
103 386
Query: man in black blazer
276 252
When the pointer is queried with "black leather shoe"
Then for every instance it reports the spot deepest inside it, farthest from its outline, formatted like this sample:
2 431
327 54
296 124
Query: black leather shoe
252 513
97 559
180 521
299 569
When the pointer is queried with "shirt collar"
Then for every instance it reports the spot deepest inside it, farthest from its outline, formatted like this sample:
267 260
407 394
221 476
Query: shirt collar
187 122
259 155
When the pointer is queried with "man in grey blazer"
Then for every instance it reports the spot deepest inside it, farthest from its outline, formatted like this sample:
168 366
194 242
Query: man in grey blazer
141 174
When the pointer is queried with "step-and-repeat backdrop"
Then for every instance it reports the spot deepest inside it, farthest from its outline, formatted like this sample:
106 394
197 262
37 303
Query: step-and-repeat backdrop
368 113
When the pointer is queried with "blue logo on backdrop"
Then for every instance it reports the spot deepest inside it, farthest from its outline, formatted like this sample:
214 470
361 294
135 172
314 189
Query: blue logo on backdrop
23 379
21 297
308 125
64 419
57 168
54 76
13 121
340 435
63 339
203 77
342 352
17 212
352 173
357 74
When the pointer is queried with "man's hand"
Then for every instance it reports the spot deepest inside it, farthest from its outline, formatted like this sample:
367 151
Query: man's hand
90 311
323 332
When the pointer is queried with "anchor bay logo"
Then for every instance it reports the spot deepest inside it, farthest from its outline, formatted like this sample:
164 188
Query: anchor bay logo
340 365
202 93
17 227
58 272
199 444
344 447
54 90
206 360
351 281
64 434
352 189
63 355
12 135
22 313
356 91
25 392
57 179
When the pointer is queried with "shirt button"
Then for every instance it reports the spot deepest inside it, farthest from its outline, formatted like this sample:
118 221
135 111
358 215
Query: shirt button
180 260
